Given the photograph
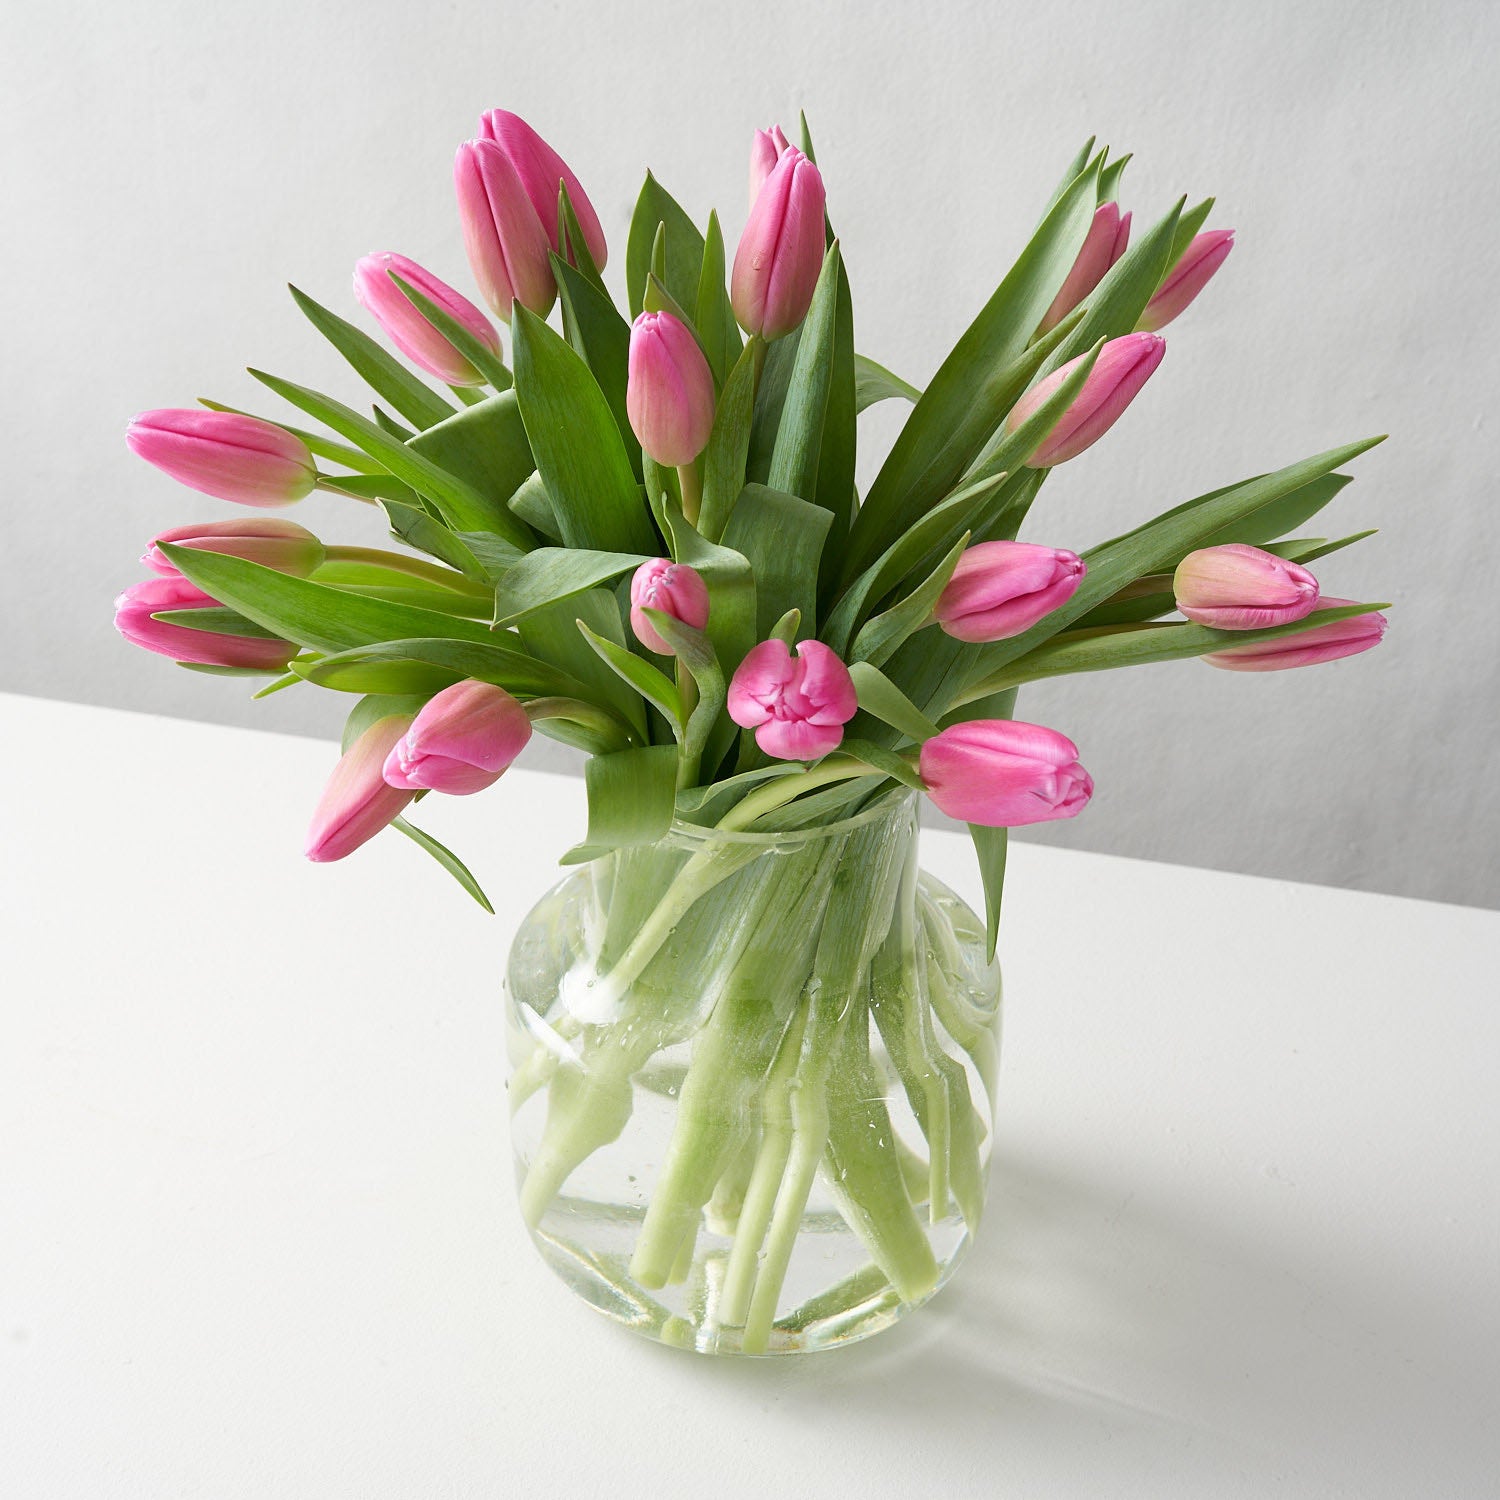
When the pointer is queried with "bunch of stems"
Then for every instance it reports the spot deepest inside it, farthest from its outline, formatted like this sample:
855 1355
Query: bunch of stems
778 962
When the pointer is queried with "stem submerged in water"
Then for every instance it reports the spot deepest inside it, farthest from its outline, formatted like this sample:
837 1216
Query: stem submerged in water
778 961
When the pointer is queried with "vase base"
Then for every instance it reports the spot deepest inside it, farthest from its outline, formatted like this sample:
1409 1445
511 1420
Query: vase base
689 1315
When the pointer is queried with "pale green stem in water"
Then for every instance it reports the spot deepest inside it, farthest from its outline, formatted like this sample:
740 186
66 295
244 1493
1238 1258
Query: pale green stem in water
765 1179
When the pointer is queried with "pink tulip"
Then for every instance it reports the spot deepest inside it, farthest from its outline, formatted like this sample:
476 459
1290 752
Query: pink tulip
765 152
282 545
1104 244
405 326
1307 648
1004 774
797 705
224 454
1187 278
1000 589
673 588
670 394
357 802
781 251
463 740
541 171
1238 587
1123 367
507 243
135 607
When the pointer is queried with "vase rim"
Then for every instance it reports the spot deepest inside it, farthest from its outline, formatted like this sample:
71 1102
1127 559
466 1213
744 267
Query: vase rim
889 804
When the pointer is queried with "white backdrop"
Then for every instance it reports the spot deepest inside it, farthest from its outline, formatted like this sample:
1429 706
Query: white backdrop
169 166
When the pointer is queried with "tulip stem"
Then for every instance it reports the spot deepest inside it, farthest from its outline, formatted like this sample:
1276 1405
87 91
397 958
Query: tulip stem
782 791
412 567
333 488
691 486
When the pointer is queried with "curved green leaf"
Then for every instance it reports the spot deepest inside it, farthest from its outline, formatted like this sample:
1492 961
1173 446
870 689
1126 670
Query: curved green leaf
579 453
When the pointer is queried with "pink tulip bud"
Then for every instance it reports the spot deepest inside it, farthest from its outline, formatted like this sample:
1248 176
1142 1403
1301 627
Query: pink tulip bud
405 326
1123 367
1238 587
1187 278
541 171
1307 648
507 243
781 251
357 802
224 454
765 152
797 705
463 740
1104 244
1001 773
1000 589
135 607
673 588
282 545
670 394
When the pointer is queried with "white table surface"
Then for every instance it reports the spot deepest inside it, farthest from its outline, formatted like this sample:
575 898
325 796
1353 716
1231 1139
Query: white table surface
257 1236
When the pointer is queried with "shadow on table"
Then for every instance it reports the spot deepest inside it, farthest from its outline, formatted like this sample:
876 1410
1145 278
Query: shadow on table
1084 1316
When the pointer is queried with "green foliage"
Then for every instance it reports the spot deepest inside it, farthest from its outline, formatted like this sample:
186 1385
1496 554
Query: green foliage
579 452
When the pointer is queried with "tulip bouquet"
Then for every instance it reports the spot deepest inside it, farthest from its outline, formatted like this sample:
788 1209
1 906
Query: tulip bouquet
642 537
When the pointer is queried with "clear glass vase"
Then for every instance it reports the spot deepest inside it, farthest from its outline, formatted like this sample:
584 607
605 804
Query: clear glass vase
753 1080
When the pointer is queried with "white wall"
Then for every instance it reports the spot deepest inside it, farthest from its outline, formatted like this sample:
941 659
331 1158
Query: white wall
168 166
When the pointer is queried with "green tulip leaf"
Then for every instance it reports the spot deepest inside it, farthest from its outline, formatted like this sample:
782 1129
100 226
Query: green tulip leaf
881 698
714 317
729 445
312 614
873 382
579 452
446 858
385 375
683 248
601 337
977 383
460 504
1138 645
653 685
552 573
782 538
632 796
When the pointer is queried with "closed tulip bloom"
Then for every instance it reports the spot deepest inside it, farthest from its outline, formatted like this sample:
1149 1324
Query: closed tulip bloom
405 326
1204 256
1307 648
797 705
282 545
135 607
358 802
1000 589
463 740
765 152
1124 365
224 454
673 588
1000 773
1105 243
669 397
507 244
1238 587
781 251
541 170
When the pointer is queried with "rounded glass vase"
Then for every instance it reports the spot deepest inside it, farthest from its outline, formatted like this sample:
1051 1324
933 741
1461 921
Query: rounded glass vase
752 1082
